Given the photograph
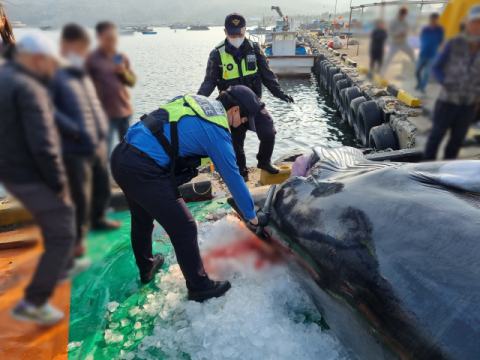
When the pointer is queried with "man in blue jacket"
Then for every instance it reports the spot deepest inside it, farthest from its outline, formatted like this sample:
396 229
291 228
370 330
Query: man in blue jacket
430 40
162 151
83 126
238 61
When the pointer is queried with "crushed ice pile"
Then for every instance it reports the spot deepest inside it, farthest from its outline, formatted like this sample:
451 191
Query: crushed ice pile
265 315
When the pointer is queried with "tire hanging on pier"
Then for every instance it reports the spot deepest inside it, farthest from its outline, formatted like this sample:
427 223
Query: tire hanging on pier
341 108
350 95
382 138
341 84
331 73
336 78
354 112
326 73
368 117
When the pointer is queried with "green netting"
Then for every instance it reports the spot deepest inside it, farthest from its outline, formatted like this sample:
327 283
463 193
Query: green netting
114 277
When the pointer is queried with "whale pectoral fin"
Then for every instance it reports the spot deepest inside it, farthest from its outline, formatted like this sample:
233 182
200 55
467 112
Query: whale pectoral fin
461 175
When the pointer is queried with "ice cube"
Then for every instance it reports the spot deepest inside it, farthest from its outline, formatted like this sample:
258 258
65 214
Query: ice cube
128 343
112 306
74 344
228 351
137 325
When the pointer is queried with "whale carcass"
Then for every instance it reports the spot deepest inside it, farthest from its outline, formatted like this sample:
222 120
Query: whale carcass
394 249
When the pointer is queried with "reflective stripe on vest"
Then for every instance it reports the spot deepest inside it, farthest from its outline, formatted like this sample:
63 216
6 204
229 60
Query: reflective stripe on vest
230 68
200 106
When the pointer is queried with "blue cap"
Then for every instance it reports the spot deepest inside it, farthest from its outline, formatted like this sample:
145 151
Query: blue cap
248 100
234 24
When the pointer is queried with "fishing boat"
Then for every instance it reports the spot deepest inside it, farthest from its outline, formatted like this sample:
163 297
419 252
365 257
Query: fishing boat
17 24
149 32
45 27
198 28
287 56
178 26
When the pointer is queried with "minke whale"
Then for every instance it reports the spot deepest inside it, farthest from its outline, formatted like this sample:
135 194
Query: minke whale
394 250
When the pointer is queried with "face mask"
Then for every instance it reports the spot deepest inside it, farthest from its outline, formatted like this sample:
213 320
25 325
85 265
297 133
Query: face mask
76 60
236 42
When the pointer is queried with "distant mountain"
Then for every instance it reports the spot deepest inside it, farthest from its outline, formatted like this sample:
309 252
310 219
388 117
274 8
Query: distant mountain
88 12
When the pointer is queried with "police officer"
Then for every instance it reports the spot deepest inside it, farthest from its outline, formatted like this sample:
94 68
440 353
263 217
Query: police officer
162 151
237 60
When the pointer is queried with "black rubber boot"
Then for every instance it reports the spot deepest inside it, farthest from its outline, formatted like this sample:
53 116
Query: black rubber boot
158 260
272 169
215 289
264 157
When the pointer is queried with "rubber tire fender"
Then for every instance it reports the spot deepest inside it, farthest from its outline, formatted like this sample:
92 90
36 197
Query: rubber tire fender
350 95
340 85
382 138
321 73
368 117
336 78
354 112
326 72
331 72
341 108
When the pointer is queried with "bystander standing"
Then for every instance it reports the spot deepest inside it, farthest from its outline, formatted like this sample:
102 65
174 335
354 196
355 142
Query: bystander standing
398 33
32 169
111 73
457 68
83 127
430 40
377 45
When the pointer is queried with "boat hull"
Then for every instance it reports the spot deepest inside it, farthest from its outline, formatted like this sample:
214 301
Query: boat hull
292 65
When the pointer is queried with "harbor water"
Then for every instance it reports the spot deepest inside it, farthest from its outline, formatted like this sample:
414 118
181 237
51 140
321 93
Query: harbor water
172 63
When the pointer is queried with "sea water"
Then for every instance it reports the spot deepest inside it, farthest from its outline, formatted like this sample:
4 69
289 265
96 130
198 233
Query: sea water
173 63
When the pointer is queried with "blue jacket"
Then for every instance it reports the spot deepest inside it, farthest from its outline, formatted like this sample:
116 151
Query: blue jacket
78 112
430 40
198 137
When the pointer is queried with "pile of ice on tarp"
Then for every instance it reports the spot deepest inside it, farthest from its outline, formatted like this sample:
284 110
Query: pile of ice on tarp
265 315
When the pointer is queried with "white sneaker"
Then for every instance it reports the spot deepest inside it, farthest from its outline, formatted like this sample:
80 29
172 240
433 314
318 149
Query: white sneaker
43 315
80 265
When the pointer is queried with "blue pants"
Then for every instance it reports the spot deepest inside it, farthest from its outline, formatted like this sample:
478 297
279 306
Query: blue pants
447 116
120 126
425 65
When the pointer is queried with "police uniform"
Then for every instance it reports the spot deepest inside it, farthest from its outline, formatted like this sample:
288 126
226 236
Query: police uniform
162 151
248 65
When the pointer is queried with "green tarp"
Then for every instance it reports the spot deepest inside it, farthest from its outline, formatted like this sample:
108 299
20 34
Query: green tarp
114 277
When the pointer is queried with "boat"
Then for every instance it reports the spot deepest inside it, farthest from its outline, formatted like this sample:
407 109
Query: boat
17 24
126 32
287 56
198 28
149 32
259 30
46 26
178 26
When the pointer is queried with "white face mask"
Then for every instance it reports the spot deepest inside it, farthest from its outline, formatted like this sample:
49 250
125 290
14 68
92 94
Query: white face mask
236 42
76 60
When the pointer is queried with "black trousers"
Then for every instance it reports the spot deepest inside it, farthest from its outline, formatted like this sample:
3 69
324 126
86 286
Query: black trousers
447 116
149 195
266 134
89 189
55 216
376 58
